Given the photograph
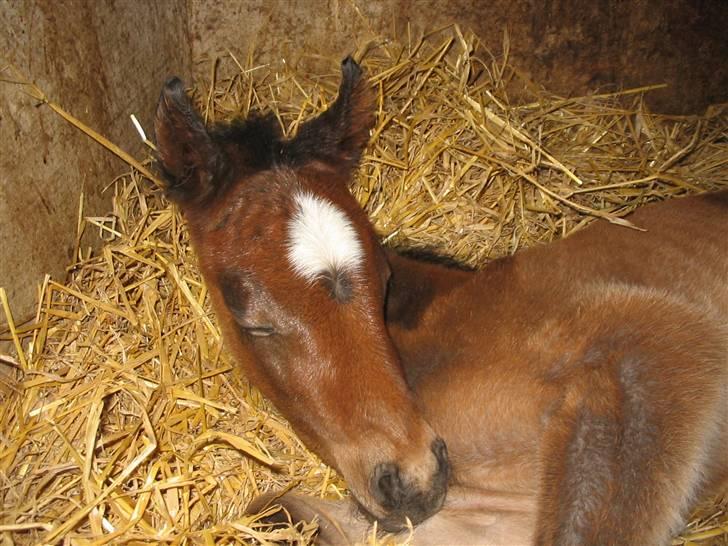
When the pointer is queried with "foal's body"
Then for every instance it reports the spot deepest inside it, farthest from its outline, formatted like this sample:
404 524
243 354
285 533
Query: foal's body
581 388
610 346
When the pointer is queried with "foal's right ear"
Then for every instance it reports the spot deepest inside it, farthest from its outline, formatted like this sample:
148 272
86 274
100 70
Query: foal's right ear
338 135
192 162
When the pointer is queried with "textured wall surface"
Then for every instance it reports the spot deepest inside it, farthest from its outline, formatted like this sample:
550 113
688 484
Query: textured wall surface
568 46
100 61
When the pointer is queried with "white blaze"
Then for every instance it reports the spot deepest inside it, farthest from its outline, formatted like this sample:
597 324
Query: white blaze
322 239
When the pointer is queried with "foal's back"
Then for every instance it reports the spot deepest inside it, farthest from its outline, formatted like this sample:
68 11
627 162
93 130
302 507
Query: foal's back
683 252
594 372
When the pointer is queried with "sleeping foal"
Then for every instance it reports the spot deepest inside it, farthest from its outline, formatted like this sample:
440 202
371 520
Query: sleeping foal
575 393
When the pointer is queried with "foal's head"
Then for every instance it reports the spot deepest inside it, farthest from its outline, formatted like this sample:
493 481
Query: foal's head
298 280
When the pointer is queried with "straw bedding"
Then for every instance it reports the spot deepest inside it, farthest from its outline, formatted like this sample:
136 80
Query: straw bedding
124 418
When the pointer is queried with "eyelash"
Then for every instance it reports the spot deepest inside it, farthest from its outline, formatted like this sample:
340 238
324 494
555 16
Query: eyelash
260 331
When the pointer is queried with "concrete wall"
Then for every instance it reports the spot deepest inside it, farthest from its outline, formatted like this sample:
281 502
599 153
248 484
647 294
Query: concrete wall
100 61
568 46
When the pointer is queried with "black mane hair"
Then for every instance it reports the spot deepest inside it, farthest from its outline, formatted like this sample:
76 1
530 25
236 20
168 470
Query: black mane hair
257 138
432 256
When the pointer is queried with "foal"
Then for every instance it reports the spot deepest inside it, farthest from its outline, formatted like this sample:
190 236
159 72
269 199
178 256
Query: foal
581 388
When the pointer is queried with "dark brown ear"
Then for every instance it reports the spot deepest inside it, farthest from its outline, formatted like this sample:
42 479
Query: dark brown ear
191 161
339 135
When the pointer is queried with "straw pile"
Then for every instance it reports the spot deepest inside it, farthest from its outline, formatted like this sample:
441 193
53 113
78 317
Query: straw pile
125 420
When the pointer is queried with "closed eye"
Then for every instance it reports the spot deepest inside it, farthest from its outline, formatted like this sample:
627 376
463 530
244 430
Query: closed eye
259 331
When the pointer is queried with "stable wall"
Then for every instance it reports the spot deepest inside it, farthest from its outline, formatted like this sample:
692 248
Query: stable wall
100 61
567 46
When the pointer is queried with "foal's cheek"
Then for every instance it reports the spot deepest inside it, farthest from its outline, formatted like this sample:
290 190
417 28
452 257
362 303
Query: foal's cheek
291 379
272 357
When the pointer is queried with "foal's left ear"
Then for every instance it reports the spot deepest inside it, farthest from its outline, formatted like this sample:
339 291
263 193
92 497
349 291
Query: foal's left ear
192 162
339 135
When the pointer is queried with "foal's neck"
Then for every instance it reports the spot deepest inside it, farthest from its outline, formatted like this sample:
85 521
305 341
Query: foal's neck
418 283
417 286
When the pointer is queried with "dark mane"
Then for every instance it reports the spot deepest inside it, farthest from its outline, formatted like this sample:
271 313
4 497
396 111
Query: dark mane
257 140
260 145
432 256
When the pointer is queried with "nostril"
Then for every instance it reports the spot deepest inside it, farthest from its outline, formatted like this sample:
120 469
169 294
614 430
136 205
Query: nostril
387 485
